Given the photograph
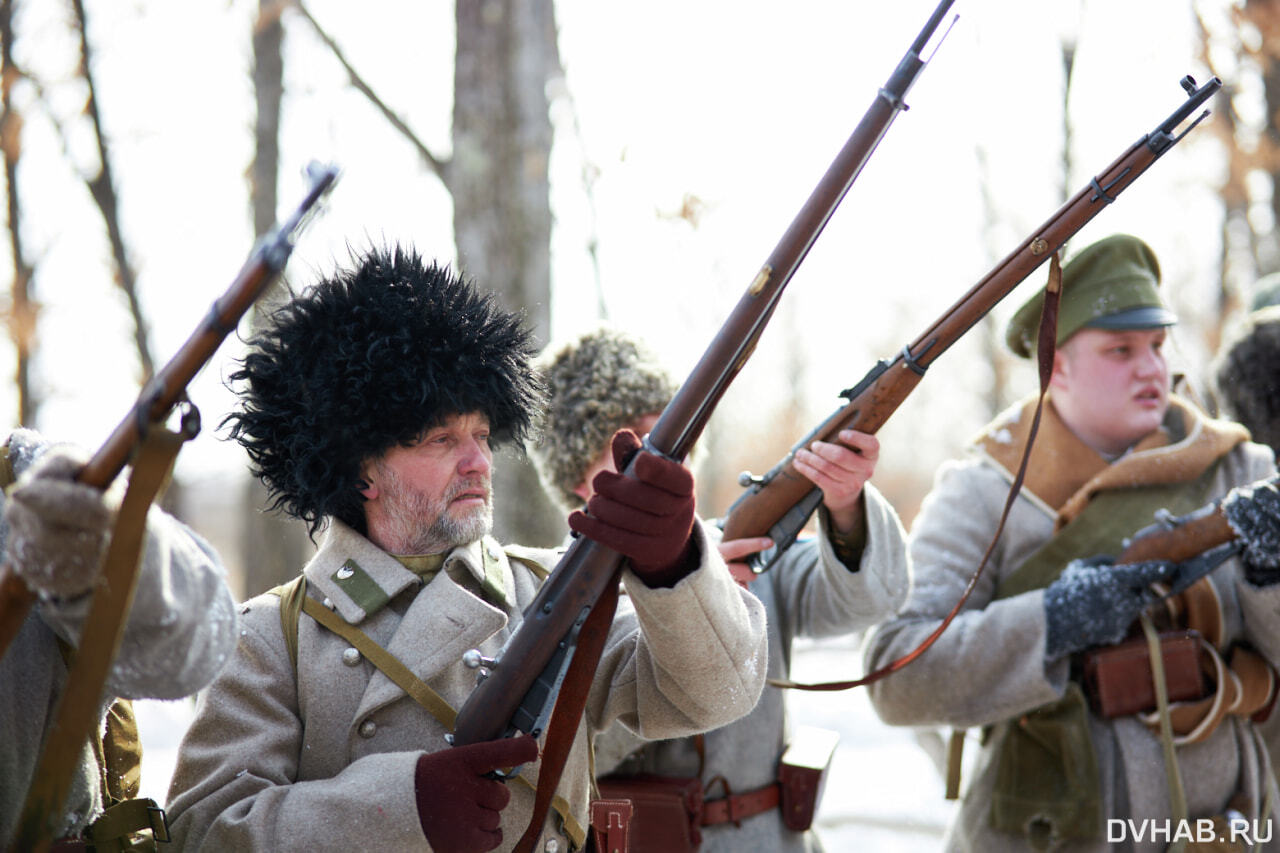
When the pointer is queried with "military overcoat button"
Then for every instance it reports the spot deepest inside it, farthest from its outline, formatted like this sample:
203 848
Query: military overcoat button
351 656
552 845
368 729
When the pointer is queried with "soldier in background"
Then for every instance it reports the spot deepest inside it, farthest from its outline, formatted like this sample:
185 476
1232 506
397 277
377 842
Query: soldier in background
850 576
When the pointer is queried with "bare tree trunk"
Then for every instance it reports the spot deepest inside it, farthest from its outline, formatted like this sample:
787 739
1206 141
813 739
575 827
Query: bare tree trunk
273 547
103 189
498 177
22 310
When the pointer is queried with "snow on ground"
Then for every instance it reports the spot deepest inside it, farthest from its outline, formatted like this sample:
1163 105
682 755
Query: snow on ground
883 795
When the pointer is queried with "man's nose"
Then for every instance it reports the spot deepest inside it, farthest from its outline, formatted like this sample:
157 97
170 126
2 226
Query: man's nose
475 459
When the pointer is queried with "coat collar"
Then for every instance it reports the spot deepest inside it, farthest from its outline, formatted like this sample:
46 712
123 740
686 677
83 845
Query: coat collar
359 578
1064 473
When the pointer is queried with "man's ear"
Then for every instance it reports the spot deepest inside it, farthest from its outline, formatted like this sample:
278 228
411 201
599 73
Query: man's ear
583 491
364 484
1061 370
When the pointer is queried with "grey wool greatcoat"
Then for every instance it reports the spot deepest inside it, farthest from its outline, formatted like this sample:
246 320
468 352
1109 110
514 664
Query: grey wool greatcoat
807 593
324 758
179 632
989 665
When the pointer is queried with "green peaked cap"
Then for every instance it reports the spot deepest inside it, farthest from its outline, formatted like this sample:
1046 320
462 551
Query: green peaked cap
1111 284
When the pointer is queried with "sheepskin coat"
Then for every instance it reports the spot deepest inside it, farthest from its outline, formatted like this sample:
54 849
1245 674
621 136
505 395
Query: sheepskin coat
324 758
989 665
807 593
179 632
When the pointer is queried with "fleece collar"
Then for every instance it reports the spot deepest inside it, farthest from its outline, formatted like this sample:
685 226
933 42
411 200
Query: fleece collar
1064 473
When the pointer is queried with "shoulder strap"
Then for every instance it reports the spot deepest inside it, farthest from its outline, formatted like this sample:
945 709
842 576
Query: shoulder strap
291 596
539 570
294 601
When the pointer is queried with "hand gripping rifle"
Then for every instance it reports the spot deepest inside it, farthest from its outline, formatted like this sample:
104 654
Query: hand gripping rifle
517 690
168 387
779 503
141 440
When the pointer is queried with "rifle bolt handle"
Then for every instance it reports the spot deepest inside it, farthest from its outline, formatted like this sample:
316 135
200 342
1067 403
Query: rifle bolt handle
473 659
746 478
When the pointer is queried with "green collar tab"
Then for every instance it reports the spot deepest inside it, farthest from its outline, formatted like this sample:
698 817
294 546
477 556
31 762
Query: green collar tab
359 587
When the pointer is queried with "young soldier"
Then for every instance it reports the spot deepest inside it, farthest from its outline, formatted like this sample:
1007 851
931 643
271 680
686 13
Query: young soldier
853 575
180 629
369 406
1057 770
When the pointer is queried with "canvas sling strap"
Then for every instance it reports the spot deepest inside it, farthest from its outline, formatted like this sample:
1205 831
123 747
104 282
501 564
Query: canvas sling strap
77 714
293 600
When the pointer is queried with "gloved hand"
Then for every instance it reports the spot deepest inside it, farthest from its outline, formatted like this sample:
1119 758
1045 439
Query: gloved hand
459 806
1093 602
647 518
1254 514
58 528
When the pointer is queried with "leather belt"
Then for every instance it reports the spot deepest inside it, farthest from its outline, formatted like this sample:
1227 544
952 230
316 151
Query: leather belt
739 806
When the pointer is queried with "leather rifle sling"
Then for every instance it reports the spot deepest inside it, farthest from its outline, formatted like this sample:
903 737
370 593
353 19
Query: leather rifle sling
77 708
572 701
1045 350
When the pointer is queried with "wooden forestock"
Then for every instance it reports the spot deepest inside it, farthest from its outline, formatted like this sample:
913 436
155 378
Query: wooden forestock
878 396
588 568
167 388
1187 539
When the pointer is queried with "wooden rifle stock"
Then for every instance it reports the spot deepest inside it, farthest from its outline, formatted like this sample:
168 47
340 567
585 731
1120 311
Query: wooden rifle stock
168 387
1179 539
771 499
524 681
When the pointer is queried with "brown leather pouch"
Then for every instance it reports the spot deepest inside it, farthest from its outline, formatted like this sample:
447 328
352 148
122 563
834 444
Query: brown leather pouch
1117 678
611 826
666 811
802 772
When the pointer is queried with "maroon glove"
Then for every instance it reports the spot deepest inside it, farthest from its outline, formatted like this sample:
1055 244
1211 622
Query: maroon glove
458 804
647 518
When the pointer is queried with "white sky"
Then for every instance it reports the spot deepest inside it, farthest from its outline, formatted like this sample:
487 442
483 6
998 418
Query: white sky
739 104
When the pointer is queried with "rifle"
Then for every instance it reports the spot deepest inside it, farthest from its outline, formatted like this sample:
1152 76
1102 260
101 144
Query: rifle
168 387
779 503
516 691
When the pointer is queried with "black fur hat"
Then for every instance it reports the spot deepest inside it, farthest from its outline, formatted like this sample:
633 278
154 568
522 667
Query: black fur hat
1247 374
367 359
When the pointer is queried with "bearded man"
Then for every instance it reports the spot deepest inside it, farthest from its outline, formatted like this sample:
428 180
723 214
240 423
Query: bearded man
370 406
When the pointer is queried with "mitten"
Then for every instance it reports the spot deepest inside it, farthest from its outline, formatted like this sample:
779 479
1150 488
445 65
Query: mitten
647 518
459 804
1254 514
1093 602
58 528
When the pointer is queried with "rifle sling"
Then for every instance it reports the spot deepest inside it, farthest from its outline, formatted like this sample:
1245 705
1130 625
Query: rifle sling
1045 351
563 725
77 709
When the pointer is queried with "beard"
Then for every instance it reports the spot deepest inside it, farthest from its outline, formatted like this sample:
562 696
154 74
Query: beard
422 525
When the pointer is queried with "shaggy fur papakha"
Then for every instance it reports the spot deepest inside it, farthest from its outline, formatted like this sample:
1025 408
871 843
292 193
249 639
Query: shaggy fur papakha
597 384
1248 376
369 358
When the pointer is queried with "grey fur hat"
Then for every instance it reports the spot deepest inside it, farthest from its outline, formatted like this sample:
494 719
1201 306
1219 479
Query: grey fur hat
596 384
1247 375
